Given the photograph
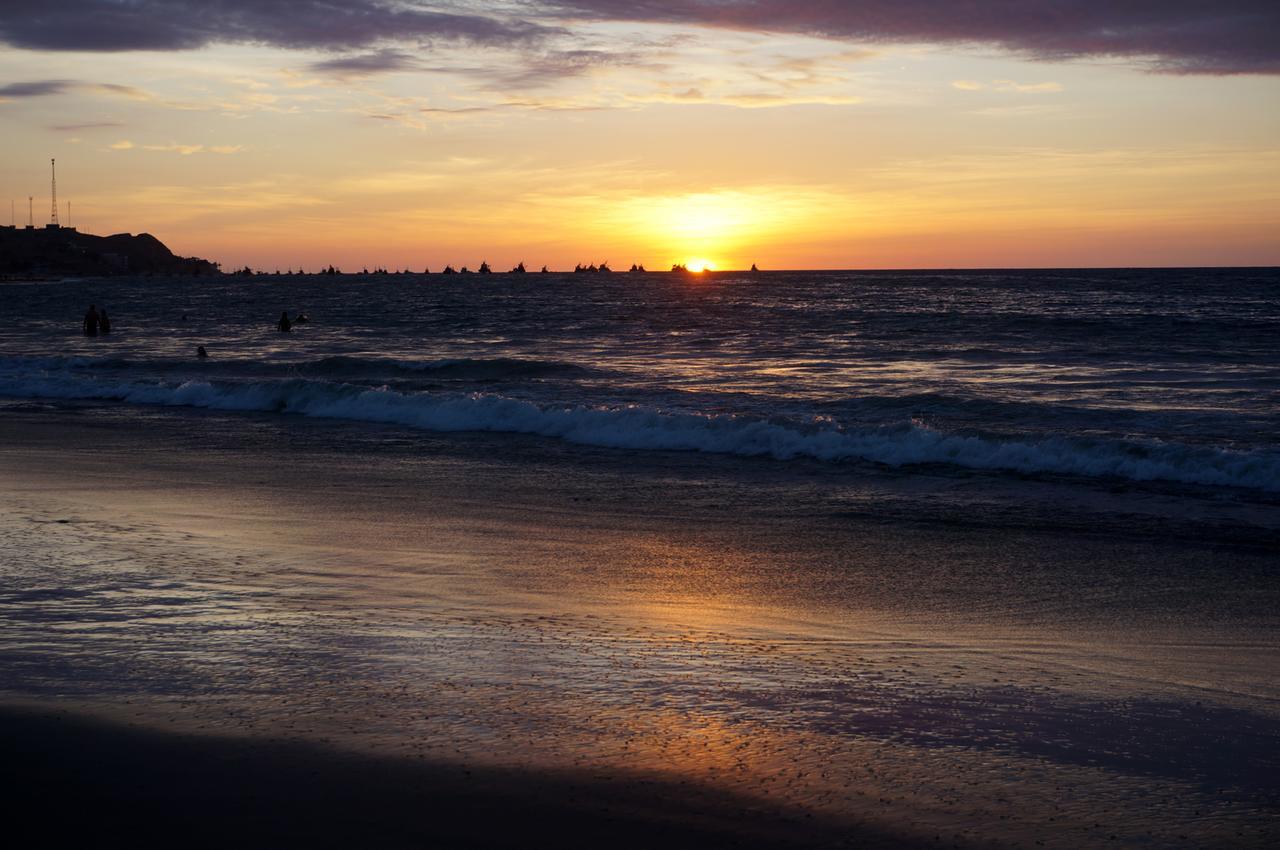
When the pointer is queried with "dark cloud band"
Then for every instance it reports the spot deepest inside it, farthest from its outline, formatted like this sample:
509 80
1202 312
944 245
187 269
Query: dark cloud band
113 25
1178 36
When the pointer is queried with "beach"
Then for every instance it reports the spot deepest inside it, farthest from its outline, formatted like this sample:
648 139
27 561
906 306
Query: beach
669 425
546 640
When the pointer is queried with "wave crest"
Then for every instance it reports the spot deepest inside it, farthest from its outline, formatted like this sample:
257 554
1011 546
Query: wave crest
639 427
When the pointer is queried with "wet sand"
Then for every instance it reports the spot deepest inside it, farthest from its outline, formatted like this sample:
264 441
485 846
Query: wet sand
76 781
249 602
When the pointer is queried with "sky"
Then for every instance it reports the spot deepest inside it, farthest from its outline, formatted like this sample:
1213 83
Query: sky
788 133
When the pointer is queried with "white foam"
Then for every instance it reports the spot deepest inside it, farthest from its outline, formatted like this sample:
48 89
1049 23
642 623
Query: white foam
649 428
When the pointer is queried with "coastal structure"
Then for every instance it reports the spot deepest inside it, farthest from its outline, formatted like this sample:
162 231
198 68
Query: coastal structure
53 194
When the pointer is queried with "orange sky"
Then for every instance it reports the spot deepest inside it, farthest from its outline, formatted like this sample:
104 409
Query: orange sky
726 146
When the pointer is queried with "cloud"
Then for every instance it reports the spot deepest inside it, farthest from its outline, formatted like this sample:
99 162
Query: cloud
187 150
47 88
1026 88
111 25
365 64
746 100
130 92
35 88
87 125
1174 36
553 66
1008 86
122 145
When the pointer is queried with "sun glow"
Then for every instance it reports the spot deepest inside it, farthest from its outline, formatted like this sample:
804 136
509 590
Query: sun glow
704 231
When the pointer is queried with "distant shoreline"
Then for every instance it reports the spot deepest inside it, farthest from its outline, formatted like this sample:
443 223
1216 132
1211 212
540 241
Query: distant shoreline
17 277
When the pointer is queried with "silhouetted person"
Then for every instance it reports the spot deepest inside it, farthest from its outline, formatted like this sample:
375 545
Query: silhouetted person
284 325
201 353
104 324
91 321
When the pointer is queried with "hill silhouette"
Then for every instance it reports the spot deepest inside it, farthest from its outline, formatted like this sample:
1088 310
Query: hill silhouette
64 251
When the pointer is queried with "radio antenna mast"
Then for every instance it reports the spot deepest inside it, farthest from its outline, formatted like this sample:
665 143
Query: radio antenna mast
53 191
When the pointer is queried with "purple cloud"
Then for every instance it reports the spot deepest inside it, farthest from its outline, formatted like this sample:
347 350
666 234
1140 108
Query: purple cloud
1176 36
36 88
365 64
112 25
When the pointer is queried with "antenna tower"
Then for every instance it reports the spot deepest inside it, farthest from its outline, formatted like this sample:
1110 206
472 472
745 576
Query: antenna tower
53 190
31 216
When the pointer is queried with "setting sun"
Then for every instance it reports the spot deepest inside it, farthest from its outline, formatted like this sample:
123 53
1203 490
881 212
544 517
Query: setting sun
699 265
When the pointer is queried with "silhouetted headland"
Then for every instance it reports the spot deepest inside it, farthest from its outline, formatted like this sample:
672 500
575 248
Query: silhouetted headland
65 251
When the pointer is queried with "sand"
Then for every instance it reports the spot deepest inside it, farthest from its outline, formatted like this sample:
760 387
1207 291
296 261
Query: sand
257 631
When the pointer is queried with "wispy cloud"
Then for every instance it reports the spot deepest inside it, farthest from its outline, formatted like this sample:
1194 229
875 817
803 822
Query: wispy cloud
1027 88
188 150
48 88
557 65
1008 86
86 125
747 100
365 64
35 88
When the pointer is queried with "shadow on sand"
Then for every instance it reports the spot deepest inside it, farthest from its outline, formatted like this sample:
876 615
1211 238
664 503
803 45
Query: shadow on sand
75 781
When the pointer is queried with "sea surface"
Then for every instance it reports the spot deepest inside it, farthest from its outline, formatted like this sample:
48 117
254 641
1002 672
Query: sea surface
969 557
1146 375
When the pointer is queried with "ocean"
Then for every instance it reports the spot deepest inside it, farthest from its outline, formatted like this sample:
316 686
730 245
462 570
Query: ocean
970 556
1133 376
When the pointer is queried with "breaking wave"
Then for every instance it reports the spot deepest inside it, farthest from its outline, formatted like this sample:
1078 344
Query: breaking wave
335 366
641 427
463 368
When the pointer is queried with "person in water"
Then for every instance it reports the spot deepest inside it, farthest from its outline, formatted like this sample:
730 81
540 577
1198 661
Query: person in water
201 353
301 319
91 321
284 325
104 324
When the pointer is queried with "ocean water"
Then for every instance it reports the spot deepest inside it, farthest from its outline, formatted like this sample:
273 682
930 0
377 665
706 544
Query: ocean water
980 555
1168 376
